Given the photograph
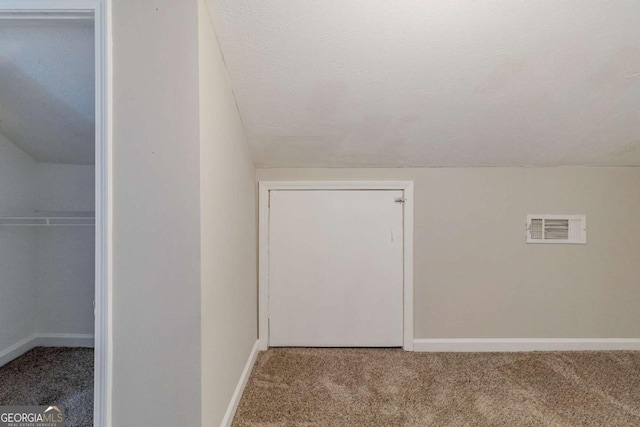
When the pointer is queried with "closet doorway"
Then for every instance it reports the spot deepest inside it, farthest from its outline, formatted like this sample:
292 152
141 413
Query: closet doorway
54 212
336 264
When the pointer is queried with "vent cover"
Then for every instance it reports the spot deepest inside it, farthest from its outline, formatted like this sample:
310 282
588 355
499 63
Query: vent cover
570 229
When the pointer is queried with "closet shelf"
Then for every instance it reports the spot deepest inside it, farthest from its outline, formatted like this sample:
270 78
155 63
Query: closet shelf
49 218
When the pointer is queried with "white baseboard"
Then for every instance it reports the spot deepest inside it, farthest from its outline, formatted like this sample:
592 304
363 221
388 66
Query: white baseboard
524 344
65 340
16 350
237 394
45 340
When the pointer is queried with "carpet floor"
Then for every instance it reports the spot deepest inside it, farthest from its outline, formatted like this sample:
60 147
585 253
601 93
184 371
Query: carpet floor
385 387
52 376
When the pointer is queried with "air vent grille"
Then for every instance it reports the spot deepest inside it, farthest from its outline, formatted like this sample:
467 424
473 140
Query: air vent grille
557 229
536 229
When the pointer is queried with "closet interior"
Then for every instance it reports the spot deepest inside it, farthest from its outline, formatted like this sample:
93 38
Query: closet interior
47 249
47 220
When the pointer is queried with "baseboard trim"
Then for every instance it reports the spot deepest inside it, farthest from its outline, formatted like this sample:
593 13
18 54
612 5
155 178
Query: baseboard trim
524 344
237 394
45 340
16 350
65 340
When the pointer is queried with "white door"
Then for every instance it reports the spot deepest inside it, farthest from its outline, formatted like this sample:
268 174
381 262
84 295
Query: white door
336 268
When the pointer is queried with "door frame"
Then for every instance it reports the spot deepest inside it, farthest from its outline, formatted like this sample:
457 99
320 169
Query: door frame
264 189
99 12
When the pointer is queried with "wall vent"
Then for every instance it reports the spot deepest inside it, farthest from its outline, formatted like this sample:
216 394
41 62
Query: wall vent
570 229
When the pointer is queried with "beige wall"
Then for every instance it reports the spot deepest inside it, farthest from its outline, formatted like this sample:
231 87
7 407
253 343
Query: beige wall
228 214
476 278
156 214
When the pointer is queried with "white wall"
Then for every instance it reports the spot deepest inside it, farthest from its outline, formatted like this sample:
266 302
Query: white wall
65 263
476 278
156 213
65 256
228 215
63 187
18 179
17 246
184 225
46 273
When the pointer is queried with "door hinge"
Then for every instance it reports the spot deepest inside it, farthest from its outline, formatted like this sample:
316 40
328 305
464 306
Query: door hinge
401 200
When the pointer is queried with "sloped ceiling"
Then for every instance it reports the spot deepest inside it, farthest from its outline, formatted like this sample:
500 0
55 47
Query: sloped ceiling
47 88
435 83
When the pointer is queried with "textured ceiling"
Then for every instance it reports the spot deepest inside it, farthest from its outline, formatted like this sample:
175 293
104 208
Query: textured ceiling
435 83
47 88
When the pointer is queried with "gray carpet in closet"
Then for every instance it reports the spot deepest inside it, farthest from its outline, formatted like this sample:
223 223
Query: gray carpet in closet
52 376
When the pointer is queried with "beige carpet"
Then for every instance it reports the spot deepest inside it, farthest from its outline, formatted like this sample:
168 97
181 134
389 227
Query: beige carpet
369 387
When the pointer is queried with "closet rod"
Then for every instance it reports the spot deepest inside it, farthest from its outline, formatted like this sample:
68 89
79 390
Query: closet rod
48 219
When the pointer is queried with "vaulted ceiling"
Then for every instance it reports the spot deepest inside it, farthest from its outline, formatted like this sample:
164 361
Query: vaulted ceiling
47 88
435 83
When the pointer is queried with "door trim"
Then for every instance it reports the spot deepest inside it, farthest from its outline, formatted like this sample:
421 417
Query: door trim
99 11
265 187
